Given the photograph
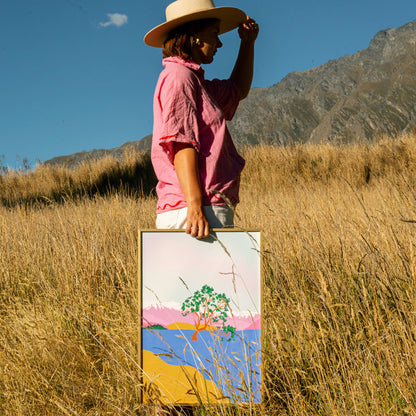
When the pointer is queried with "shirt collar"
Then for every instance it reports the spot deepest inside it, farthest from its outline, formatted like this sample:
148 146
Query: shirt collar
188 63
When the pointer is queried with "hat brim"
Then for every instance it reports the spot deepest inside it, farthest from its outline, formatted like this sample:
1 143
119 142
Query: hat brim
229 17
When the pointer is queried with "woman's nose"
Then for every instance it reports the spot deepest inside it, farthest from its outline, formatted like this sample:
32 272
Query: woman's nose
219 43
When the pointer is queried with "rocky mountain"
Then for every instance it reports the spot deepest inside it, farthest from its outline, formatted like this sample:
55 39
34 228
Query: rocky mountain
355 97
358 96
71 161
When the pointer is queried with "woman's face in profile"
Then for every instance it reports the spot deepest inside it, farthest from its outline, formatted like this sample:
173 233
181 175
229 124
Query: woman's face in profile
209 42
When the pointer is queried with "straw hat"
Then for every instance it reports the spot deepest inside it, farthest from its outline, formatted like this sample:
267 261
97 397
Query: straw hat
183 11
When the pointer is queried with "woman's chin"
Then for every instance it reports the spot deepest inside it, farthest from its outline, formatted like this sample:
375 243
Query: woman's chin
208 60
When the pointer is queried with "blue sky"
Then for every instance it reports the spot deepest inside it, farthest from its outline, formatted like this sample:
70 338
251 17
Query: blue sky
75 74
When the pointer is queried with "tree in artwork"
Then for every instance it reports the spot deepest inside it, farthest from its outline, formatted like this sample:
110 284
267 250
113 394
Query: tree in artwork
209 310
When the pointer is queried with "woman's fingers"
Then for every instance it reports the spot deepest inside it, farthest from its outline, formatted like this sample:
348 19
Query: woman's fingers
200 231
196 224
204 230
249 29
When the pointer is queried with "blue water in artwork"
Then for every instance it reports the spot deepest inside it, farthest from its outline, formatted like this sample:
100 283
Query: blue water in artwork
234 365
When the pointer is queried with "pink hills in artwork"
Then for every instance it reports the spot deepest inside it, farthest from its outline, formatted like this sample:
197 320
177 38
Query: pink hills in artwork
165 316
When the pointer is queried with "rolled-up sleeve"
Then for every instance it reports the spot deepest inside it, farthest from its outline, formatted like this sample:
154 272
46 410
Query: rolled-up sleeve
178 105
227 95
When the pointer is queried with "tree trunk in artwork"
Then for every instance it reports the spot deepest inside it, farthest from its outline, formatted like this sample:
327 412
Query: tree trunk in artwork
198 329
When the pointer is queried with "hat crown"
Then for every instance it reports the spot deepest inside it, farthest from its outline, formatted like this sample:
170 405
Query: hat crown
184 11
181 8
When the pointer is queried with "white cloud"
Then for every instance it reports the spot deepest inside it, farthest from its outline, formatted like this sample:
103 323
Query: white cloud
115 19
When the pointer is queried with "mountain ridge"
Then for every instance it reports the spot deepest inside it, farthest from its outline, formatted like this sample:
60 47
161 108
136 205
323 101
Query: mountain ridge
165 316
354 97
360 96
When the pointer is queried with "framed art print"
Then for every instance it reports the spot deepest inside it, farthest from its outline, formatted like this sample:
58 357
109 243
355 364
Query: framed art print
200 304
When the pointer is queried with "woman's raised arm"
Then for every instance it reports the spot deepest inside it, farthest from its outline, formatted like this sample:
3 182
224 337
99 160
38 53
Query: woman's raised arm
242 73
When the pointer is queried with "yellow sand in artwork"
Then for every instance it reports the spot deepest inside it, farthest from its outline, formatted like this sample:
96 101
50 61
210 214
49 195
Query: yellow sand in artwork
165 383
185 325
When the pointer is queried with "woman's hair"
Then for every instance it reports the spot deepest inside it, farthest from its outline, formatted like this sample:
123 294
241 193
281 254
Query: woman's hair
180 40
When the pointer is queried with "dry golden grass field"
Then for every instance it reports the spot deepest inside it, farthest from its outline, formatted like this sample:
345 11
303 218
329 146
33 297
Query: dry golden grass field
339 259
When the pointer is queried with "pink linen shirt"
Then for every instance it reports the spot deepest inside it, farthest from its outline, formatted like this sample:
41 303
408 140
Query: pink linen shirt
189 109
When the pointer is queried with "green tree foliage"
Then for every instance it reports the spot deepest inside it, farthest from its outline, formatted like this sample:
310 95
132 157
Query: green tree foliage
209 310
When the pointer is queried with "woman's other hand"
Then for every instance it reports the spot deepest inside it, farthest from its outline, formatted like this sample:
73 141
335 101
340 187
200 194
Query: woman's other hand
248 30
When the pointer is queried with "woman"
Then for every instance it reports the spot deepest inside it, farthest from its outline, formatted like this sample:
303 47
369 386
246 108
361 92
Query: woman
193 155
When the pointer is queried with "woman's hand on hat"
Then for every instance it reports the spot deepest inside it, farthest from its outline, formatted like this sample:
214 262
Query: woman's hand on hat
248 30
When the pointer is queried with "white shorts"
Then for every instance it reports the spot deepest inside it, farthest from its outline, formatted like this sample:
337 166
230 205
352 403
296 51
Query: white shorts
218 216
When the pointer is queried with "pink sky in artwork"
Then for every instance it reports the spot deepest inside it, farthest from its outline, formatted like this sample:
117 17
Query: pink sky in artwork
160 315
